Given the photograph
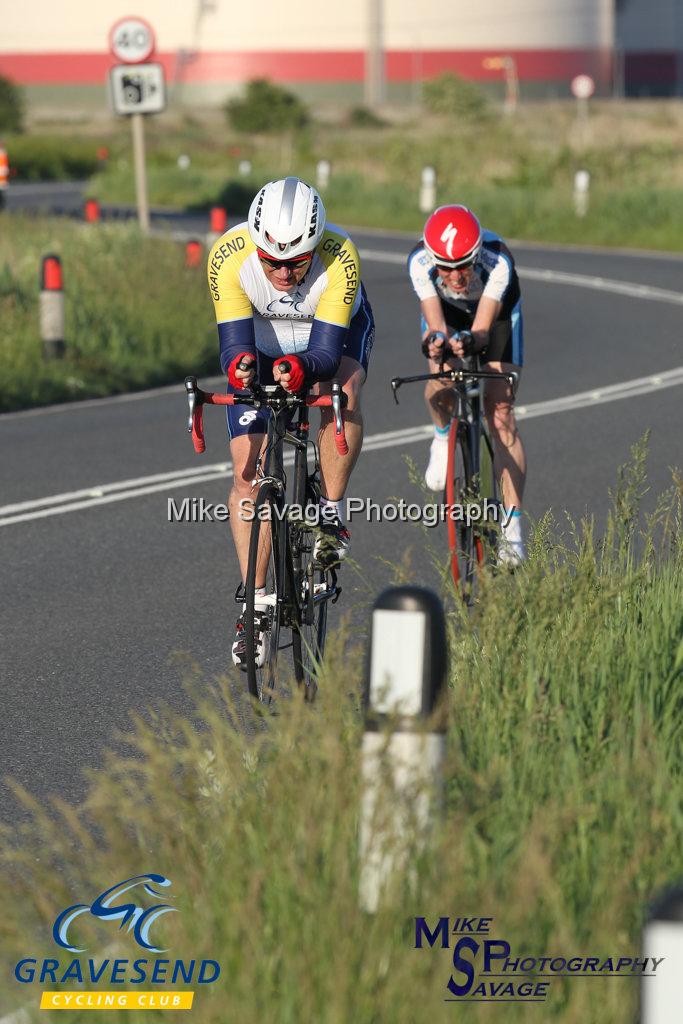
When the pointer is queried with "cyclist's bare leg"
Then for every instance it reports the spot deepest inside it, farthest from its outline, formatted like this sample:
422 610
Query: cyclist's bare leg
335 469
245 450
439 396
510 460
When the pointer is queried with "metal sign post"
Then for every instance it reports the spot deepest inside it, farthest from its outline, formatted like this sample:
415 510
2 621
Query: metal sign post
136 91
582 87
138 129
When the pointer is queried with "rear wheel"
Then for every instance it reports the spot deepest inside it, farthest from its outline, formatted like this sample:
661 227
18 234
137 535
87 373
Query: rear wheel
262 615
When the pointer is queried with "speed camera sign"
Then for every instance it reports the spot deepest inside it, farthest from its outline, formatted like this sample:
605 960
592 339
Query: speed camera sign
131 40
137 90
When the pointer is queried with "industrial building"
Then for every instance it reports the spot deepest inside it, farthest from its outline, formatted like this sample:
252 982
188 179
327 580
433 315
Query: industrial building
380 48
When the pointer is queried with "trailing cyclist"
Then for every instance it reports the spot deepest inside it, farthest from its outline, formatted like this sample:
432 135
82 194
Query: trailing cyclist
286 286
465 279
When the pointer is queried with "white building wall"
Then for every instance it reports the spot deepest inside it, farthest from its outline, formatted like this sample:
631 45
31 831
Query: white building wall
82 25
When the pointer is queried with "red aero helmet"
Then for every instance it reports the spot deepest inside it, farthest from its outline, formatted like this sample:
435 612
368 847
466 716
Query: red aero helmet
453 236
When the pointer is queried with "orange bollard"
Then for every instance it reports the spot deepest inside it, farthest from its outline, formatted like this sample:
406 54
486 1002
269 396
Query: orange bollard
91 211
4 175
219 220
193 252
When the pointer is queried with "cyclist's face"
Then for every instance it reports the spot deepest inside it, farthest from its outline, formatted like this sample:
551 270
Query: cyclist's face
458 279
285 276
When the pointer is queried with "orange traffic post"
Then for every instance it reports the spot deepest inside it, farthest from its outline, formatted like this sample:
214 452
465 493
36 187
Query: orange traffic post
4 175
218 223
52 307
219 219
91 211
193 252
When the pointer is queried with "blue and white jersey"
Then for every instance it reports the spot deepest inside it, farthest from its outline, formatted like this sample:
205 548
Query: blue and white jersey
494 276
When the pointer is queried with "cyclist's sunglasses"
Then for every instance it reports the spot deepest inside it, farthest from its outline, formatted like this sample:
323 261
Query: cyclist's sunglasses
460 266
293 264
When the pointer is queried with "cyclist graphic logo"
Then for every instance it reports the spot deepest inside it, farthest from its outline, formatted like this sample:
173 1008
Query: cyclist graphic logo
105 908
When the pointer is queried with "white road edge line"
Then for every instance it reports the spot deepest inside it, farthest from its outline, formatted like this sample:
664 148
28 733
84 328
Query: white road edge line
603 284
105 494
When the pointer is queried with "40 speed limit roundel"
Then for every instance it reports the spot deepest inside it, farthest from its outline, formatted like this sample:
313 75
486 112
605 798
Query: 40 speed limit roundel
131 40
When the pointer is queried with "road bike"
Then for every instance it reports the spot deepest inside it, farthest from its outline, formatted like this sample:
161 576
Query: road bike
299 587
471 494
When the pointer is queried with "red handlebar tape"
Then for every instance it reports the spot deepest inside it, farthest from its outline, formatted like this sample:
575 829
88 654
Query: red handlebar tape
213 398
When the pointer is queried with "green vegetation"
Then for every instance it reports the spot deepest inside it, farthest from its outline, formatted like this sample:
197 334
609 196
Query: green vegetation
52 158
266 107
363 117
11 106
162 329
517 173
562 816
456 98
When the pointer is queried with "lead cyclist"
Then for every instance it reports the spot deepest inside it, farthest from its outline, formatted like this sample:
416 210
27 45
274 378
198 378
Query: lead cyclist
465 279
286 286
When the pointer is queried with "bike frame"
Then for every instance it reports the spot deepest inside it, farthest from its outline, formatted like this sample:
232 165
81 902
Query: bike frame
468 417
296 597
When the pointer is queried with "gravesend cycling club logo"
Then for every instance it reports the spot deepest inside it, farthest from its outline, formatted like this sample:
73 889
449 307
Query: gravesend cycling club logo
134 907
106 908
485 969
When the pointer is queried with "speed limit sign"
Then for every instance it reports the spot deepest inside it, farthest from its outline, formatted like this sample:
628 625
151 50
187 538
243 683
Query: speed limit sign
131 40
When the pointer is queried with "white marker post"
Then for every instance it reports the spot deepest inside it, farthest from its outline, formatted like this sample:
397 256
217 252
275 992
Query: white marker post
427 190
322 173
660 997
401 768
582 184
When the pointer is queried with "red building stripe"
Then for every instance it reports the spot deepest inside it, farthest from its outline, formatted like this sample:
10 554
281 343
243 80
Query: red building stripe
330 66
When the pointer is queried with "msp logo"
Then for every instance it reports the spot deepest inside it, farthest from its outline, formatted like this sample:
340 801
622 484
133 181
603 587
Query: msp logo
105 908
486 969
125 904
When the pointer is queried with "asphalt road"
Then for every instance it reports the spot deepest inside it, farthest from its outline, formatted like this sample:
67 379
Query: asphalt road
102 594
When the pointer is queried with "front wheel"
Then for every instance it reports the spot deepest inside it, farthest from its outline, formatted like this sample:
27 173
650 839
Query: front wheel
262 615
308 637
466 548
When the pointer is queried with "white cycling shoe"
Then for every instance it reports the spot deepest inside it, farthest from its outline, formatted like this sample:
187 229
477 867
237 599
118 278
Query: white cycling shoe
511 550
262 629
435 473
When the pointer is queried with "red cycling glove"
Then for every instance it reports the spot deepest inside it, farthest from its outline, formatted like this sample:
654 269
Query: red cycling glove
296 373
233 380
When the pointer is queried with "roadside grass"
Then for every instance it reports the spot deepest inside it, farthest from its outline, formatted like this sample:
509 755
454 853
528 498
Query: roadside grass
135 316
562 813
518 174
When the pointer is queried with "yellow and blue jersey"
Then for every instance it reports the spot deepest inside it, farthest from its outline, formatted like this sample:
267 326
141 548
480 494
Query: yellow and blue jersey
311 319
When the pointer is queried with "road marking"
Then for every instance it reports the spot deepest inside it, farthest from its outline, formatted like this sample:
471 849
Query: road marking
121 490
602 284
91 403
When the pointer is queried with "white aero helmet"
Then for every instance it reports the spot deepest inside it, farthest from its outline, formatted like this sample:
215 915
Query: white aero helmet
286 218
